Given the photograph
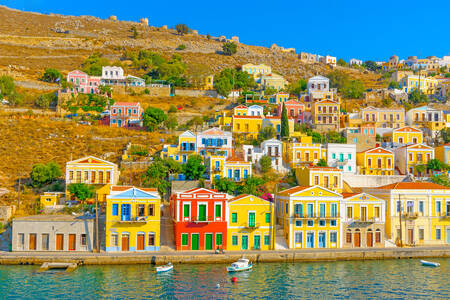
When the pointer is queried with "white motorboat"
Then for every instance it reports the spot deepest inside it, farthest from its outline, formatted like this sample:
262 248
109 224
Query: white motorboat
430 263
242 264
164 268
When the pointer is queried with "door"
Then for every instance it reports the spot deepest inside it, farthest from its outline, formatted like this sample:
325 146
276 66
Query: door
194 241
244 242
310 240
72 242
251 219
125 242
322 240
202 212
208 241
126 212
369 239
140 241
32 245
357 239
60 241
411 236
257 241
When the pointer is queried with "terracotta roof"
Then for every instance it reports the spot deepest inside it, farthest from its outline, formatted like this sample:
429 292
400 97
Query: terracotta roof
413 186
377 150
235 158
407 129
416 146
247 117
323 168
126 104
119 188
200 191
241 106
214 131
294 190
326 101
347 195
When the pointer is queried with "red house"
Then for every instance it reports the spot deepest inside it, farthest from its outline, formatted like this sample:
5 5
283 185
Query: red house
200 219
294 110
125 114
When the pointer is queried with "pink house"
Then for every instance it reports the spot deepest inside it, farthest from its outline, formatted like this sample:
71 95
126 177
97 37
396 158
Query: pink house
295 110
83 83
124 114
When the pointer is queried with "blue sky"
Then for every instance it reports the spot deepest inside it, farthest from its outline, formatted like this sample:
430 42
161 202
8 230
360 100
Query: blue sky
362 29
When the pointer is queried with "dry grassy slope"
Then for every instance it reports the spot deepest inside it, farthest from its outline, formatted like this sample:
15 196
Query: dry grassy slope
29 40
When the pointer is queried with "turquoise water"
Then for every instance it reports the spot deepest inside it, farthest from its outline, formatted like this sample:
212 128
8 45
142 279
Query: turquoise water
390 279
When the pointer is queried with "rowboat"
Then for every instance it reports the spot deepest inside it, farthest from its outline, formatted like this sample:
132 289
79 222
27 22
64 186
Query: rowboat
164 268
430 263
242 264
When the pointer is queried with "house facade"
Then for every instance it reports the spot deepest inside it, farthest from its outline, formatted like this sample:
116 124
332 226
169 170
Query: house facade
124 114
325 115
272 148
375 161
409 157
342 156
83 83
327 177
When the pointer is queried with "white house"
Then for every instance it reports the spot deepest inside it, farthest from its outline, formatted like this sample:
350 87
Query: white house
342 156
355 61
318 84
272 148
328 60
255 110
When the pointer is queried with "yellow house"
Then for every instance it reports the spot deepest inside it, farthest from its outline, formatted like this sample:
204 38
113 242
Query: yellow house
363 221
303 152
417 213
133 219
275 123
279 98
405 135
310 217
427 117
247 127
236 168
383 117
412 159
427 85
256 70
250 223
208 82
240 110
327 177
325 115
50 199
443 153
187 145
273 80
375 161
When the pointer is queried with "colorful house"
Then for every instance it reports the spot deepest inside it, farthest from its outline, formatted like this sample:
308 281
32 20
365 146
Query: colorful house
294 110
133 217
443 153
383 117
273 80
303 152
247 127
236 168
256 70
427 85
327 177
412 159
83 83
215 141
275 123
363 221
279 98
342 156
325 115
417 213
200 219
310 217
250 223
405 135
375 161
124 114
187 145
426 117
49 199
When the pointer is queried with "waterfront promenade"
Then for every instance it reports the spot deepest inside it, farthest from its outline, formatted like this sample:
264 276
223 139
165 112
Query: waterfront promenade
196 257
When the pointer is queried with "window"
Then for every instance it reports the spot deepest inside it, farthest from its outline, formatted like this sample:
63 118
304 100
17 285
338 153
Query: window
184 239
151 239
234 240
219 239
333 223
151 210
83 239
316 180
287 208
266 240
421 233
186 210
298 223
234 217
218 210
333 237
333 210
268 218
115 209
322 210
348 237
421 207
141 210
115 240
45 241
377 211
298 238
438 233
322 223
438 207
378 236
349 212
310 223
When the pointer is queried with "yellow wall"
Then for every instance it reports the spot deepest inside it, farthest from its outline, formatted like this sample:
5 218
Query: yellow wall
368 163
247 127
330 179
49 199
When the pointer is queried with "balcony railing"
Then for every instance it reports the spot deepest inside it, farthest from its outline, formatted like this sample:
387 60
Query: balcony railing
133 219
411 215
216 169
206 219
251 225
315 216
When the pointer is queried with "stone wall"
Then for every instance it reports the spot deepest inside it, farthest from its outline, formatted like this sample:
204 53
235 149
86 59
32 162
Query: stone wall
6 212
196 93
372 180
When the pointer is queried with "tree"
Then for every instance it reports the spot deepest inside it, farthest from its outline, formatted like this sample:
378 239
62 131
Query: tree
54 170
268 90
181 47
223 87
7 86
193 169
341 62
173 167
172 109
416 97
436 165
441 179
393 85
182 29
153 117
45 100
322 163
155 176
45 173
94 63
135 33
171 123
353 89
297 87
420 168
266 163
371 66
229 48
284 132
266 133
252 186
225 185
81 191
51 75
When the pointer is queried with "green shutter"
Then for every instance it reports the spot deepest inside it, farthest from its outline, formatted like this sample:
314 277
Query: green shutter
251 219
202 212
184 239
234 218
219 239
267 240
218 211
186 211
267 217
235 240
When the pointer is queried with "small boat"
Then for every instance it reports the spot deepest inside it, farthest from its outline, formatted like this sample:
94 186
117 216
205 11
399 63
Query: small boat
164 268
242 264
430 263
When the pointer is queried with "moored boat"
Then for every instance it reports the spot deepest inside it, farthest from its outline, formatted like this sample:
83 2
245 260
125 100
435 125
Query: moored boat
242 264
164 268
430 263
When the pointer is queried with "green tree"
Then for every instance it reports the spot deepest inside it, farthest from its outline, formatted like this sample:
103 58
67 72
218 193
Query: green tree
15 99
225 185
7 86
156 176
284 131
193 169
45 100
268 90
181 47
420 168
266 163
45 173
251 185
51 75
338 79
229 48
393 85
94 63
173 167
171 122
371 66
81 191
266 133
54 170
182 29
341 62
436 165
416 97
353 89
172 109
134 31
297 87
441 179
153 117
322 163
223 87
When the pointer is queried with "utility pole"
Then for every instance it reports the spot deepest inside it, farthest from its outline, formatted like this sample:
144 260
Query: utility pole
400 220
96 225
272 219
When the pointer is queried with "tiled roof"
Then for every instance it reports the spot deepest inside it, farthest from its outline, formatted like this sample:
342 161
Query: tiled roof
126 104
235 158
416 146
413 186
214 131
317 168
377 150
294 190
247 117
119 188
407 129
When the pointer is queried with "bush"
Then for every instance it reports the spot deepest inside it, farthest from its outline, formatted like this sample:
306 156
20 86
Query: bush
138 150
42 174
229 48
266 163
45 100
51 75
182 29
7 86
172 109
181 47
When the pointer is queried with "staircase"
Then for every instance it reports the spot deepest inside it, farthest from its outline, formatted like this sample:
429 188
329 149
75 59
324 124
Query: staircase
280 241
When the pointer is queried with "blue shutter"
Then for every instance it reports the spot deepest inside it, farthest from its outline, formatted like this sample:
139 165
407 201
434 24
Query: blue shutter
230 173
245 173
115 209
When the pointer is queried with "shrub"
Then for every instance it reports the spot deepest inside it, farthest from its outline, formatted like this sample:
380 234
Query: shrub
181 47
229 48
51 75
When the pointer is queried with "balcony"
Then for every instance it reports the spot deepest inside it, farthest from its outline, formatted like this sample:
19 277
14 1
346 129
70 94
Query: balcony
216 169
251 225
341 162
133 219
206 219
410 215
315 216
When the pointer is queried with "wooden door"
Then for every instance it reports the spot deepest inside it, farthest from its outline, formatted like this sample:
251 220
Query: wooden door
60 241
125 242
411 236
140 241
32 244
369 239
357 239
72 242
195 242
208 241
